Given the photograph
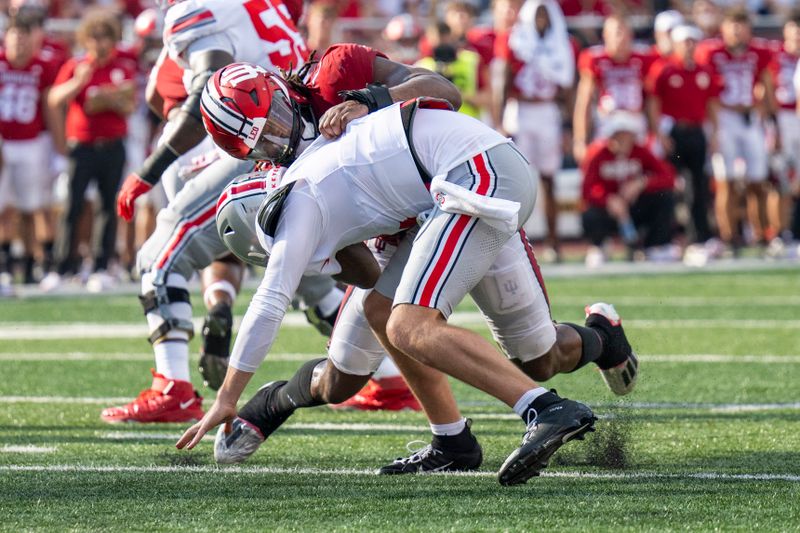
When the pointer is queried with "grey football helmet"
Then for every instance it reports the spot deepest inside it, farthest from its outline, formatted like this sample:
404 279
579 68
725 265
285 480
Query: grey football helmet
236 213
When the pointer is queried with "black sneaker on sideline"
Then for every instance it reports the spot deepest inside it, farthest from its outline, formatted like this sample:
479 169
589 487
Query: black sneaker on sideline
556 425
434 458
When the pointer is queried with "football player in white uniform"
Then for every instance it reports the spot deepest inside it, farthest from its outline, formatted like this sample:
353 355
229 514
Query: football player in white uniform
202 36
370 180
511 296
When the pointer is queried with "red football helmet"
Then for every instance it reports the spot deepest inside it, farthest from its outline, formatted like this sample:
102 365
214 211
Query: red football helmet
253 114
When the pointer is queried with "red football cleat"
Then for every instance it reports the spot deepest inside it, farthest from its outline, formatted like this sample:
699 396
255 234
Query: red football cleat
384 394
167 400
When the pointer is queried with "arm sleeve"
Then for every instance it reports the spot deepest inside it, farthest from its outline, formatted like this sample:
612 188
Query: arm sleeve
297 236
593 191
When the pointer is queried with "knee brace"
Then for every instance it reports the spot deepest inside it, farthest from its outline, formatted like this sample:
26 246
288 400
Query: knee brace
167 308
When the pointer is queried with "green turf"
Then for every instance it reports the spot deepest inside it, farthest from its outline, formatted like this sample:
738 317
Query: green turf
688 451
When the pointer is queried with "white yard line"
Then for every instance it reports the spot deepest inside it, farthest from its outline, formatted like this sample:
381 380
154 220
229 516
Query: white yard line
27 448
85 330
256 470
293 356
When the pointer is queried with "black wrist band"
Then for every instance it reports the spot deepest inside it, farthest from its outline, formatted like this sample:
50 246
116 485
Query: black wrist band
375 96
155 165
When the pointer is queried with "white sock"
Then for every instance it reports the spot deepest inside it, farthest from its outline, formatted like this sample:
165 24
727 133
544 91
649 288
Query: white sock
329 303
387 369
172 359
221 285
521 407
453 428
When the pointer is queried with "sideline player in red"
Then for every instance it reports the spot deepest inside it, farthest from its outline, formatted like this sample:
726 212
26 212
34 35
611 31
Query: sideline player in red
615 71
741 66
784 71
25 182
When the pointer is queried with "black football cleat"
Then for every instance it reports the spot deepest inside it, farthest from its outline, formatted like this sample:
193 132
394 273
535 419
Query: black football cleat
216 345
434 458
618 364
556 425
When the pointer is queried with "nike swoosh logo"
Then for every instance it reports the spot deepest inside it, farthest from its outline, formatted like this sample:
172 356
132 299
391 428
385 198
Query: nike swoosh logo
187 403
438 468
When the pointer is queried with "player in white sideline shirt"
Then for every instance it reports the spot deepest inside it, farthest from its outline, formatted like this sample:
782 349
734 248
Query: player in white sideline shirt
202 36
451 253
535 69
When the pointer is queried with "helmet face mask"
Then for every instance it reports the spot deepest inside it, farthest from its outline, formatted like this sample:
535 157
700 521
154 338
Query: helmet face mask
253 114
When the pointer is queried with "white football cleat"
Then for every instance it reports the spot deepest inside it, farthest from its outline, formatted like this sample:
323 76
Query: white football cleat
621 377
236 446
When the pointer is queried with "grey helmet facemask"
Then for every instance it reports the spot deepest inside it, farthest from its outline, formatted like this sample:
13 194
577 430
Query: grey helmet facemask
236 213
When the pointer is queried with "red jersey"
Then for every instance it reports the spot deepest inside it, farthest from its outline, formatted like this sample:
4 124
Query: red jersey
782 67
737 74
604 172
104 125
169 83
342 67
55 50
620 84
21 91
684 92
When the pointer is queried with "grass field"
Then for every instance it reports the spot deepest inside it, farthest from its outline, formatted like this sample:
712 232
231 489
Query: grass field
710 440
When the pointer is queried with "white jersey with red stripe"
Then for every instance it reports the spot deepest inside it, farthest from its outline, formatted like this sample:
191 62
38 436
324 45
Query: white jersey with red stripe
255 31
346 191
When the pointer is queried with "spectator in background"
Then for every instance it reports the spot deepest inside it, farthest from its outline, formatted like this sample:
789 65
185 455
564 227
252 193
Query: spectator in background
626 189
26 184
787 161
459 65
535 67
662 26
741 66
402 34
320 19
99 92
614 72
682 96
706 16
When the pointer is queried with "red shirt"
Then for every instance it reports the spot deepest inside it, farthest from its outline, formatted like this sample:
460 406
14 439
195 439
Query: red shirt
620 84
104 125
737 74
604 173
684 92
169 84
341 67
21 91
782 66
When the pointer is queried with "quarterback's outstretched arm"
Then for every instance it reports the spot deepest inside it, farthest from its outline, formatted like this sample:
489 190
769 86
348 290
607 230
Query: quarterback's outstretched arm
187 132
403 83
